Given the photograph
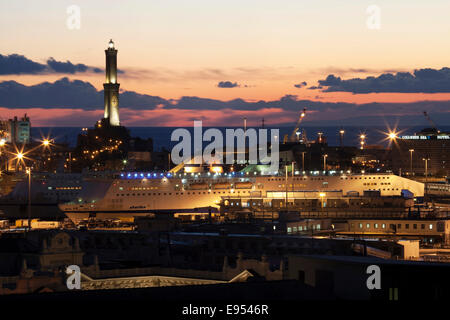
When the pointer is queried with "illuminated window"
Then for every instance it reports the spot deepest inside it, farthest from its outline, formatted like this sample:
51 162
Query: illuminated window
431 226
368 225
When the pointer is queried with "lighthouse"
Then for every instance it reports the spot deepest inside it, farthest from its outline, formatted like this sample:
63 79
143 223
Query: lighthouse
111 87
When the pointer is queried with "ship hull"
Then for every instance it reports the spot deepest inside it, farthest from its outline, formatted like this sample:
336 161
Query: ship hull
76 217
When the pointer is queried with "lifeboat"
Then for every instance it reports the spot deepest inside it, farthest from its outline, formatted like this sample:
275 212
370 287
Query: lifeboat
243 185
222 186
198 186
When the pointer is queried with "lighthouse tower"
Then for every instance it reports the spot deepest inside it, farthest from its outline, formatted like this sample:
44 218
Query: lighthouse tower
111 87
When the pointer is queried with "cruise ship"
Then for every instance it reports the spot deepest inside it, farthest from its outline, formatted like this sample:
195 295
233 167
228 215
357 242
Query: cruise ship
138 194
47 191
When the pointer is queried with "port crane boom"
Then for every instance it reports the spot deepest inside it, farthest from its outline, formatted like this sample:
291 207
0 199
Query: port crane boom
297 125
431 122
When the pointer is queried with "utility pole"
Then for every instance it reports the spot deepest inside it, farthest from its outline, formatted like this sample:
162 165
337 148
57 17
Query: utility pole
286 184
410 162
341 136
28 171
303 161
325 162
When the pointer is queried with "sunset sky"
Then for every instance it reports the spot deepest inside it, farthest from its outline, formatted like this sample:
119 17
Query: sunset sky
265 50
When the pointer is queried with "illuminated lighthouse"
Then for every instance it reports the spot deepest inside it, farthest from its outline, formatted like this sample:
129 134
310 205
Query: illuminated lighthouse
111 87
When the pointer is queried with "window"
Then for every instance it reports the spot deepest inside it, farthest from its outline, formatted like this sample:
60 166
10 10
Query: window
376 225
431 226
383 226
407 226
415 226
368 225
422 226
289 229
360 225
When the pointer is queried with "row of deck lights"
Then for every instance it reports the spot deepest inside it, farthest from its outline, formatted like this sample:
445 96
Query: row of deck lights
135 175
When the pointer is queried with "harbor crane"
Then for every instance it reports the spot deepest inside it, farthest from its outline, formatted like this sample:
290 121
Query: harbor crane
431 122
295 133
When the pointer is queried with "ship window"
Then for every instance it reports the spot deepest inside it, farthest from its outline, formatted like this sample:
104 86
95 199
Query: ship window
407 226
368 225
422 226
430 226
383 226
399 226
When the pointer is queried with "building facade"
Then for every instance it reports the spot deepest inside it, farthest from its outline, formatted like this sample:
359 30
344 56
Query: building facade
16 131
425 152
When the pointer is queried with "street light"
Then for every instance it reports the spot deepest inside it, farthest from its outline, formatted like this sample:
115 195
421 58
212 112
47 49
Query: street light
410 161
426 168
325 156
341 136
363 138
303 161
392 135
28 171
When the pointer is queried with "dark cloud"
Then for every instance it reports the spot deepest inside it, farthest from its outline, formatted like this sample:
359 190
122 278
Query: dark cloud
68 94
301 84
69 67
65 93
315 88
420 81
18 64
227 84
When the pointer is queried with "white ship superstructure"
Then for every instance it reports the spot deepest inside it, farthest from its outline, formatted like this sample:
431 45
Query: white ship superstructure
135 194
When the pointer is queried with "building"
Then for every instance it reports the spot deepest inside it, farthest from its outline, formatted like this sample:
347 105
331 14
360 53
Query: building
426 151
111 87
427 230
16 131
